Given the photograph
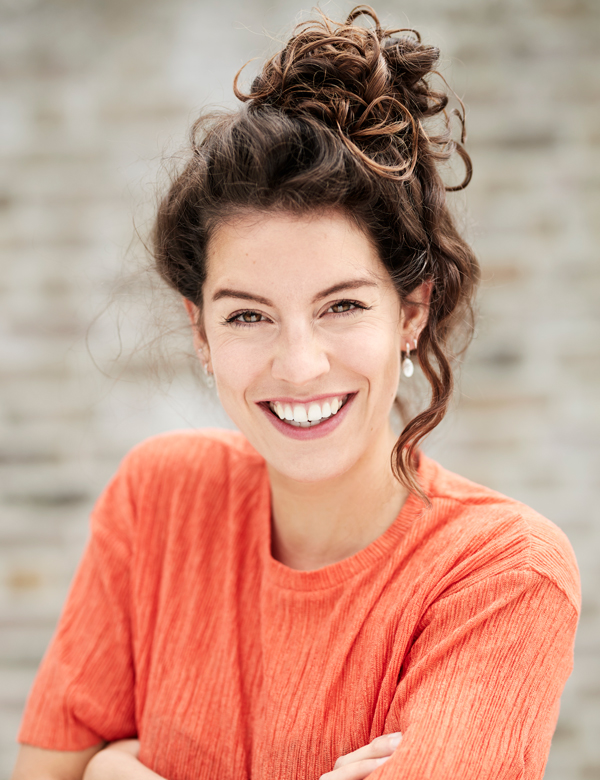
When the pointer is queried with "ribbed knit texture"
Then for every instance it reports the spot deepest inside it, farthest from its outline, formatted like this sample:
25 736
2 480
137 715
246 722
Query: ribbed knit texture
455 627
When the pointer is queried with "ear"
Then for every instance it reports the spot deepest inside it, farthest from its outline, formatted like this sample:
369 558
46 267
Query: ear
200 342
415 312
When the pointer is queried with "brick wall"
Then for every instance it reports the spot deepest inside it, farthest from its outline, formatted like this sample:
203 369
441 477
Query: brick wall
95 93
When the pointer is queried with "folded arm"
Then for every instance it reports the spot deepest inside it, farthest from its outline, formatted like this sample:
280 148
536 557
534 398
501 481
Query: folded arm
480 688
117 761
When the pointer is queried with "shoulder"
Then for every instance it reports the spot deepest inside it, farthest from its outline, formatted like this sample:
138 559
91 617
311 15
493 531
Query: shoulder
195 443
490 533
179 482
207 456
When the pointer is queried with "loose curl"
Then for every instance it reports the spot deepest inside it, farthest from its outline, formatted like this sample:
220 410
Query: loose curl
337 119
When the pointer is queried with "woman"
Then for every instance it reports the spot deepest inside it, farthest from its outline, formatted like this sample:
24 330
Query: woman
313 596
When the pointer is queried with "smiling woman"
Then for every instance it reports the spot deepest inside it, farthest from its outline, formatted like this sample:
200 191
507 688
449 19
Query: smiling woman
312 596
304 342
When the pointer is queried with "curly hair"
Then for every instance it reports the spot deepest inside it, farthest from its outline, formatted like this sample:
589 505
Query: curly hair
340 118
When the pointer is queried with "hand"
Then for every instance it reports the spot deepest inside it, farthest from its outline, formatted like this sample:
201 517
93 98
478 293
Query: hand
360 763
119 761
131 746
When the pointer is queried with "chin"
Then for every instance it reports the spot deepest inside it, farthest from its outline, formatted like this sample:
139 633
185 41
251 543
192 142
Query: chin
309 462
308 475
312 467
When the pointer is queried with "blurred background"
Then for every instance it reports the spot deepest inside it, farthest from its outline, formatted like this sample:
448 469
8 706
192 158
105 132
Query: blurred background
96 94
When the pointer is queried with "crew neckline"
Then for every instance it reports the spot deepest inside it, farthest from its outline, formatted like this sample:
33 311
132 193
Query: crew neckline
282 576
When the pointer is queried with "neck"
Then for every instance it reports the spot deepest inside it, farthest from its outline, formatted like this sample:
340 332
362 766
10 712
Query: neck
320 523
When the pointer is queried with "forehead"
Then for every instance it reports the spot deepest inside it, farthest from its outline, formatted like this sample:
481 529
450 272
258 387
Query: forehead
291 252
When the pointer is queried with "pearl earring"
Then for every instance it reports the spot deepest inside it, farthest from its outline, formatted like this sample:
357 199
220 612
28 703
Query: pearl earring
408 368
208 377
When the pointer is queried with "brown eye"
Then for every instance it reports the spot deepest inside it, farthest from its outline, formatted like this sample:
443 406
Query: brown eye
245 318
250 316
342 307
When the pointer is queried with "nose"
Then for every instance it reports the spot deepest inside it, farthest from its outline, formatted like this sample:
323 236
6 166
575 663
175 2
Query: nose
299 357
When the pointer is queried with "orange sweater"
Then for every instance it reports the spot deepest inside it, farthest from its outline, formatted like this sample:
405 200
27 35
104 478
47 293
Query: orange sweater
455 627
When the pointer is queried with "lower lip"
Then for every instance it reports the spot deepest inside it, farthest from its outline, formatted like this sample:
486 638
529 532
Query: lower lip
315 431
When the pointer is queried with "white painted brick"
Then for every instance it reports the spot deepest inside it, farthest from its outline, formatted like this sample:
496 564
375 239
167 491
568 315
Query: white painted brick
92 97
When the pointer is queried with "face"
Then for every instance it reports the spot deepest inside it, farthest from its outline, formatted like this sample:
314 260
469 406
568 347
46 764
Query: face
300 320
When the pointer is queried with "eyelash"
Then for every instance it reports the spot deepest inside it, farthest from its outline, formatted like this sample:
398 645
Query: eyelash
233 320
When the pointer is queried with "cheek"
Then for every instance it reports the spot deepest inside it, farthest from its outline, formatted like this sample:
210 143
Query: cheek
236 363
370 350
373 352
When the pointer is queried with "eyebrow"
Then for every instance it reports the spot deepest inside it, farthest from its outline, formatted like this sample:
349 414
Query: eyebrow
350 284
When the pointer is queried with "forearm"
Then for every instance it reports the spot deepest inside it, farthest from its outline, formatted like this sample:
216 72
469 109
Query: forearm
117 765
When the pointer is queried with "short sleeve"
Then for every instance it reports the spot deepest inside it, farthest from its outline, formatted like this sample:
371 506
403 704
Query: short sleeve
84 689
479 691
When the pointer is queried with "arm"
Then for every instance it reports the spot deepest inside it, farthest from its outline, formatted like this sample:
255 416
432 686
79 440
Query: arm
84 690
480 687
35 763
117 761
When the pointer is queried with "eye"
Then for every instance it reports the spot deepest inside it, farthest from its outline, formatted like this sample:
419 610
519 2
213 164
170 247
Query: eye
345 307
245 318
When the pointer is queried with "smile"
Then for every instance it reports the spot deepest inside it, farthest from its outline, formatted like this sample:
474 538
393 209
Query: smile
308 415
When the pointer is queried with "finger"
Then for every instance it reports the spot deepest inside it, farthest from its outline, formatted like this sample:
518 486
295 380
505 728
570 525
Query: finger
379 747
357 770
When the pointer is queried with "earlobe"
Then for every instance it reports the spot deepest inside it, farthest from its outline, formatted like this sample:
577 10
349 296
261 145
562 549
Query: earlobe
192 311
415 310
200 343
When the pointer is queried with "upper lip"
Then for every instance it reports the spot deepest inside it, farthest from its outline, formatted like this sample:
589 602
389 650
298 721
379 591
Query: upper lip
315 398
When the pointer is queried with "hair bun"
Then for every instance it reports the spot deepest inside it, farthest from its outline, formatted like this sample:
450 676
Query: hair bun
365 84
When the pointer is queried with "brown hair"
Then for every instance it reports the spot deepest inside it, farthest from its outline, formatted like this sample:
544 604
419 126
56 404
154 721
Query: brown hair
337 119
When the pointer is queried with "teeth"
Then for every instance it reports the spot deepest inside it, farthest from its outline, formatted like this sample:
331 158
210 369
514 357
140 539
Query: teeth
314 413
300 414
305 415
